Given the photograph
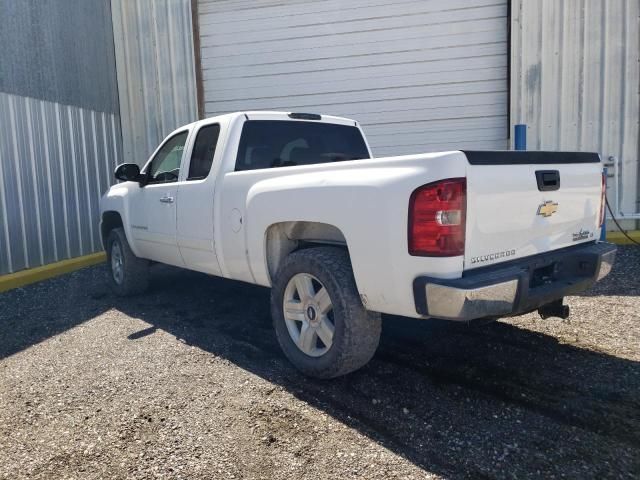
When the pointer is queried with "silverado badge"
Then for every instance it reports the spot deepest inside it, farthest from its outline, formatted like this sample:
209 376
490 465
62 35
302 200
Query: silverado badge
547 208
581 235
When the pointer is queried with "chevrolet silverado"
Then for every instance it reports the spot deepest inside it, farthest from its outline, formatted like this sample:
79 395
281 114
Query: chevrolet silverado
296 202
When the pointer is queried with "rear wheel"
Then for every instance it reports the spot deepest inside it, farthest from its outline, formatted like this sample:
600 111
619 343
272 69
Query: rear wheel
320 322
128 274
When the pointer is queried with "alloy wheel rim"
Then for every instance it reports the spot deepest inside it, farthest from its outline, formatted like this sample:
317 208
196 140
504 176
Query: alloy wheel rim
308 314
117 263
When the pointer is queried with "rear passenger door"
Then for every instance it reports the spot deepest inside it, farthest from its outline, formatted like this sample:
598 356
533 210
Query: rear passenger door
195 206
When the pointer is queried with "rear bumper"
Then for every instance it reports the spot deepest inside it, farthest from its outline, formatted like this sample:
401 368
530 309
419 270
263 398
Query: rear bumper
515 287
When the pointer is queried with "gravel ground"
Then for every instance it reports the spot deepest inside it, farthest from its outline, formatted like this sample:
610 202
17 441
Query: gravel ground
187 381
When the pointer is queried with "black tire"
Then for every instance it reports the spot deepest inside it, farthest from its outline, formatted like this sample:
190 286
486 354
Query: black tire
357 331
135 271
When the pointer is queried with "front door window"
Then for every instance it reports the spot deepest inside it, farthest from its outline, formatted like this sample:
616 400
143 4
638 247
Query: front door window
165 166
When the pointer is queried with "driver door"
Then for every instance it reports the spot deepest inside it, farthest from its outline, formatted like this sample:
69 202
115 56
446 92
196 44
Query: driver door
155 228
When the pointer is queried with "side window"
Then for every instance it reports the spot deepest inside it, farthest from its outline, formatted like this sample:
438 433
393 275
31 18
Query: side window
165 166
203 150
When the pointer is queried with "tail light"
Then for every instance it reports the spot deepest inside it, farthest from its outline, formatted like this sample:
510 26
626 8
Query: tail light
437 216
603 198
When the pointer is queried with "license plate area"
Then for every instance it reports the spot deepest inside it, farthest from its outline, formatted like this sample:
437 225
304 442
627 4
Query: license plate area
567 270
544 275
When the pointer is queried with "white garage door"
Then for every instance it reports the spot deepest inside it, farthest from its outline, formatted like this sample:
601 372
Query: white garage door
419 75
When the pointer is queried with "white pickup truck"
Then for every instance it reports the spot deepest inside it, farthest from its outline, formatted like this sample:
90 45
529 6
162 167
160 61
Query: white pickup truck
296 202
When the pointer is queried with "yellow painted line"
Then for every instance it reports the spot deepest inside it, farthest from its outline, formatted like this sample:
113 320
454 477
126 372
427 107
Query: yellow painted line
37 274
620 239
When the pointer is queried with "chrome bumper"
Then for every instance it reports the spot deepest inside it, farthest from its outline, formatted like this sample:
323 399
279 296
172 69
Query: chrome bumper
466 304
514 287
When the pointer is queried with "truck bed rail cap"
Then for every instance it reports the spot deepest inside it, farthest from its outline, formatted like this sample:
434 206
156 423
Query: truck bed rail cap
516 157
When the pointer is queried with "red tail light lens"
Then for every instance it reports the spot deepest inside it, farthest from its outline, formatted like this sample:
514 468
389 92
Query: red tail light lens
437 217
603 197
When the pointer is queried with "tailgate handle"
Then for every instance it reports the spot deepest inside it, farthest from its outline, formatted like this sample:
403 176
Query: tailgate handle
548 180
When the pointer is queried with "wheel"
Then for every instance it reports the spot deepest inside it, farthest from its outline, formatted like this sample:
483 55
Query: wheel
320 322
129 275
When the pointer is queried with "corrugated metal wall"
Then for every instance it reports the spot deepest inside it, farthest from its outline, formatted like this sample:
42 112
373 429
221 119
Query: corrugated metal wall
60 51
59 128
56 161
419 75
575 80
156 73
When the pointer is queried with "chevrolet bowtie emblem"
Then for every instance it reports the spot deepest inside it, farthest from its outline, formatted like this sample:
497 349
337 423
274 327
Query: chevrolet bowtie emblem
547 209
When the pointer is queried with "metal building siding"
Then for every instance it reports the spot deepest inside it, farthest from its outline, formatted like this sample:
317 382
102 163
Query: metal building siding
55 163
575 80
60 51
156 73
419 75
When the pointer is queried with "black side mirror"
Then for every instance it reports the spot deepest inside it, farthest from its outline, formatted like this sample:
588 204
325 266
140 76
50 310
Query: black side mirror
128 172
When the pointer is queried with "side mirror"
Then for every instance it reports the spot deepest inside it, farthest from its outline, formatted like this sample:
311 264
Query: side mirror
128 172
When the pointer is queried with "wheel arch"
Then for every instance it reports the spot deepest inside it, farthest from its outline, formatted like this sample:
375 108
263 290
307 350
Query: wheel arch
110 220
283 238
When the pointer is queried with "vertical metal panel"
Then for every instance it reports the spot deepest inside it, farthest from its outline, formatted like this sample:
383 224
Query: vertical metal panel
60 51
155 70
54 167
575 80
419 75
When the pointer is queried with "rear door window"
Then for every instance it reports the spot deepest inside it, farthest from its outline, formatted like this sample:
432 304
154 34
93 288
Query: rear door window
283 143
204 149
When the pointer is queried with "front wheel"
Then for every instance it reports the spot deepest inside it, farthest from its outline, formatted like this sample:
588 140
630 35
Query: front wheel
128 274
320 322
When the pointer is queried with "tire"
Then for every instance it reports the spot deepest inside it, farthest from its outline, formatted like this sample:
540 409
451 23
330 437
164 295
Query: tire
133 276
356 331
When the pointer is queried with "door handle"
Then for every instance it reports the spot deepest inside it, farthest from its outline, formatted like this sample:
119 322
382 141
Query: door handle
548 180
166 199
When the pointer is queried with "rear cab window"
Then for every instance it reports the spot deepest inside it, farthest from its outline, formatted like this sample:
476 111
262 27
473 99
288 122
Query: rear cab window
285 143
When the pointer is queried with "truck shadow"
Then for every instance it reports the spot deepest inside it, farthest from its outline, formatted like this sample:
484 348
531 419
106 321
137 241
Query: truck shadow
455 399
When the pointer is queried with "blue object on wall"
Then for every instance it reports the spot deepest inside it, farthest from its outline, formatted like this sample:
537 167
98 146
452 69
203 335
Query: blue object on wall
520 136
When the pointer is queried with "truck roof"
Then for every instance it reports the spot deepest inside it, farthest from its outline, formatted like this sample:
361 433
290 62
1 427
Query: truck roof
275 115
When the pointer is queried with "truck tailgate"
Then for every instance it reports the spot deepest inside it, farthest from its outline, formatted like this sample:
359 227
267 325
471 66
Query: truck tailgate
526 203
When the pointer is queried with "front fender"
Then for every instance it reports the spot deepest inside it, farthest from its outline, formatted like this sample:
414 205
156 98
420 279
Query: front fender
117 199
